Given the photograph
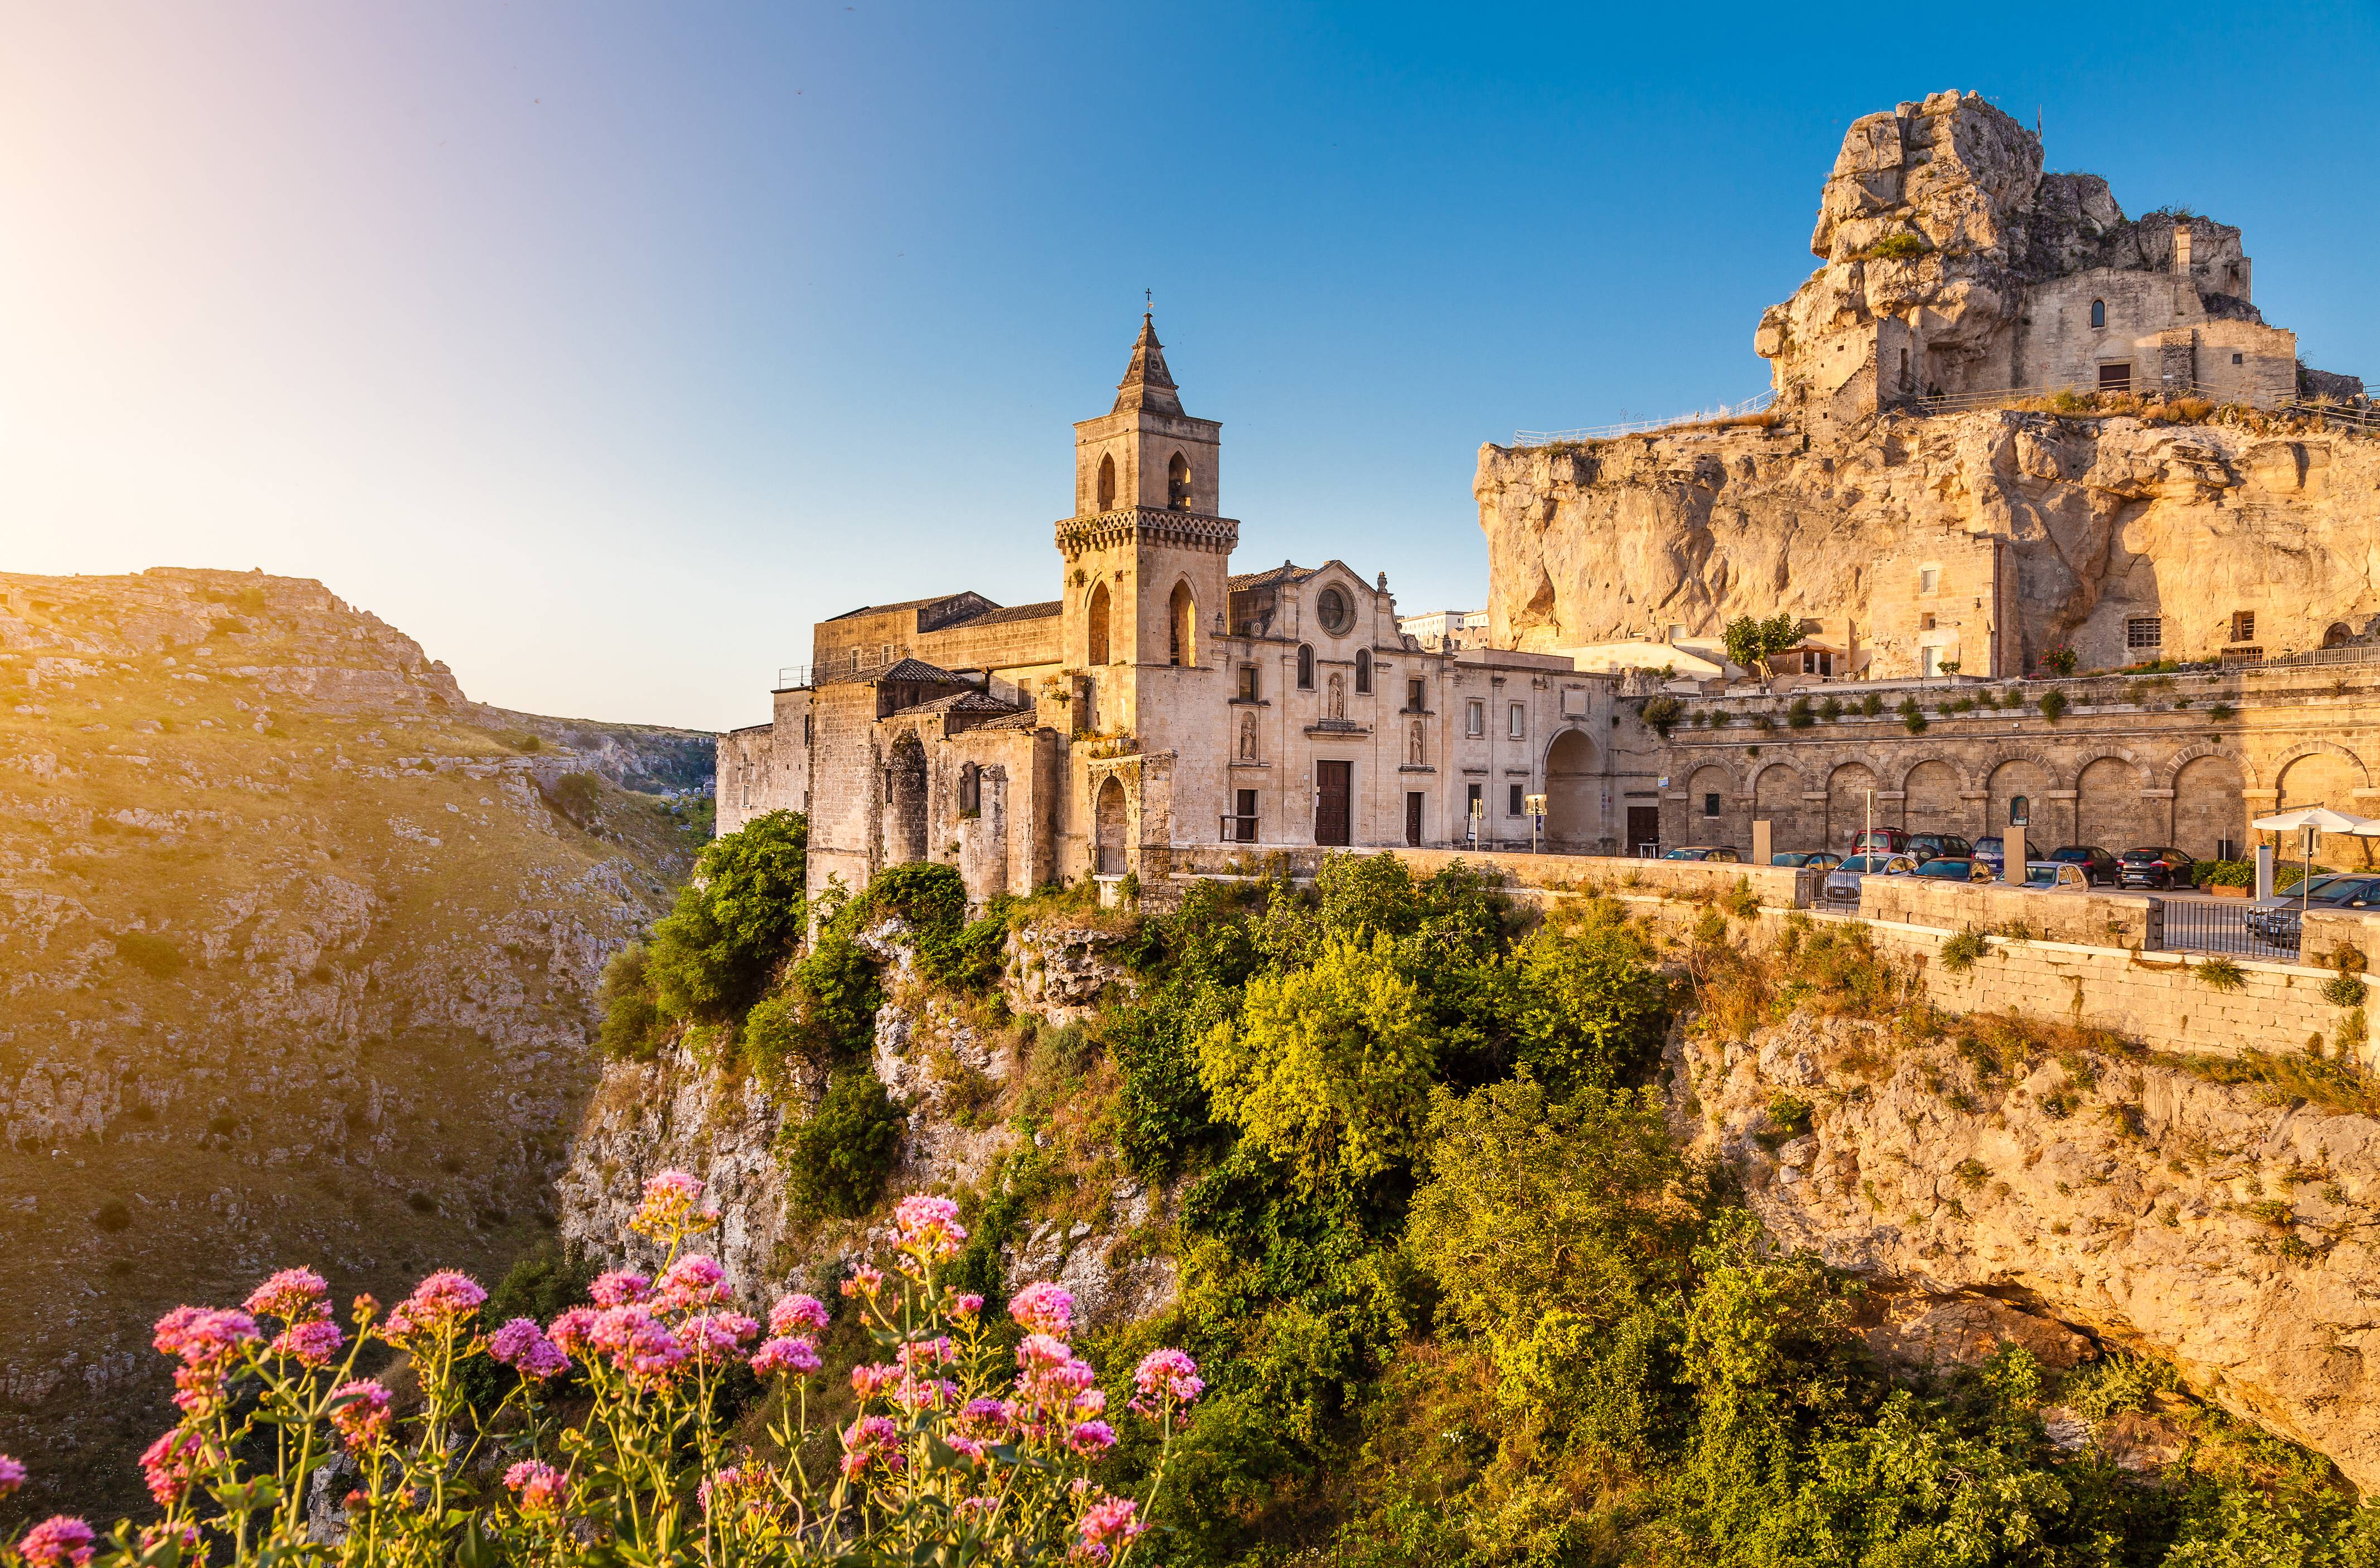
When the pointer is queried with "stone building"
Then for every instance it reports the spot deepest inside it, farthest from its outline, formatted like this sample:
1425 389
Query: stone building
1163 700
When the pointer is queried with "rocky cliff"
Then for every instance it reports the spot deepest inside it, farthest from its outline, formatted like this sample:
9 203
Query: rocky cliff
298 944
1997 1185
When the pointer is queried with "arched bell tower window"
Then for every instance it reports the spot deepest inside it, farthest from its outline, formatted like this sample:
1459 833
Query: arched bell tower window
1177 483
2098 312
1106 484
1098 653
1304 666
1182 623
1363 671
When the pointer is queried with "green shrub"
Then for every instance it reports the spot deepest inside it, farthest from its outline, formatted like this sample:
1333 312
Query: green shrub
1740 900
2221 712
2116 1384
835 988
836 1160
1587 1008
1960 953
1831 709
711 955
773 1034
2343 990
574 795
1902 247
2052 704
1871 705
1800 715
2220 974
1912 717
1789 1117
630 1020
1660 714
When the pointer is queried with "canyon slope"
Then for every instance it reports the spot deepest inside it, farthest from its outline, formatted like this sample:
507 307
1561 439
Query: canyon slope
298 944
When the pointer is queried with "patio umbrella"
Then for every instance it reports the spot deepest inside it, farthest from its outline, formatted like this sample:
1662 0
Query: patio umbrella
2311 820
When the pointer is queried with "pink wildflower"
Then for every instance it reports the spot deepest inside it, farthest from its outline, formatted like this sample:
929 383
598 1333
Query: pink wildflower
1165 1375
966 1445
574 1330
151 1537
540 1486
864 1281
736 1490
966 1306
171 1463
209 1340
930 1226
987 1417
922 1353
56 1542
673 1207
440 1301
1091 1437
871 1439
974 1510
693 1281
793 1312
361 1414
311 1343
712 1336
522 1346
1044 1309
637 1342
868 1380
294 1296
619 1288
12 1475
785 1355
1106 1524
1037 1350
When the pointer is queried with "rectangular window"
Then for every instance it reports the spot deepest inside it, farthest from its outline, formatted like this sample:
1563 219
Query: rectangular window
1516 722
1513 801
1710 803
1925 623
2238 359
1413 696
2243 625
1933 660
1930 579
1474 719
1244 818
1247 682
2115 378
885 655
1475 799
2145 631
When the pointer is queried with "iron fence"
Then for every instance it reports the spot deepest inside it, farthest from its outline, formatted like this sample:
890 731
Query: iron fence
2231 926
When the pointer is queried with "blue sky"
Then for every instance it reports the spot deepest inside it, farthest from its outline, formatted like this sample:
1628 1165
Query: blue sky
603 349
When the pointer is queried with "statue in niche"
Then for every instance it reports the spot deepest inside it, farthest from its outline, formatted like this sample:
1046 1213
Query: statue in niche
1415 759
1337 695
1247 737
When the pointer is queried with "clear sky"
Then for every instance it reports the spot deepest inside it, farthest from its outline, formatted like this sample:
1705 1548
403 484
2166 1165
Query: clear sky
603 349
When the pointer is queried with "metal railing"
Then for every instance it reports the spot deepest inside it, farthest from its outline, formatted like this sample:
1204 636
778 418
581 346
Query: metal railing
2230 926
1724 414
2363 416
790 676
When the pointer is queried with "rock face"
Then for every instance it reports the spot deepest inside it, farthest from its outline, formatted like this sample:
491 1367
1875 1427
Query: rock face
2135 1202
297 963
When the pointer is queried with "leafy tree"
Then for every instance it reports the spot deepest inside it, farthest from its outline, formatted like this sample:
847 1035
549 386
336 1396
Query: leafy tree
1751 641
1587 1007
629 1015
1329 1066
713 951
836 1160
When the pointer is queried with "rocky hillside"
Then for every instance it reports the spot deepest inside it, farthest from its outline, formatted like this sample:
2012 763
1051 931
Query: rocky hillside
298 944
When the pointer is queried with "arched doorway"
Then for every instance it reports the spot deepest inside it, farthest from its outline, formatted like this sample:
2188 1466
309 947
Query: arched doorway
1573 820
1098 651
2210 808
1929 799
1848 789
1106 484
1182 625
2323 778
2107 806
905 802
1109 821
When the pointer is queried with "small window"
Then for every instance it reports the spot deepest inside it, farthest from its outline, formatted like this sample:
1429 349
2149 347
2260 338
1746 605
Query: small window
1177 483
2019 811
2243 625
2115 378
1930 579
2145 631
1304 668
1412 696
2098 312
1475 799
2239 359
886 655
1248 691
1710 803
1474 719
1332 611
1106 484
1512 798
1516 722
970 788
1925 623
1364 670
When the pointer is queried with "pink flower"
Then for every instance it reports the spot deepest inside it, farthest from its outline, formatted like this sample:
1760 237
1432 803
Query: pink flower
693 1281
715 1337
1106 1524
673 1207
441 1301
151 1537
171 1463
311 1343
1044 1309
619 1288
1091 1437
930 1226
736 1490
921 1353
12 1475
637 1342
1036 1350
871 1439
360 1412
966 1306
522 1346
293 1294
793 1312
540 1486
989 1418
56 1542
1165 1375
868 1380
926 1393
209 1340
573 1330
864 1281
785 1355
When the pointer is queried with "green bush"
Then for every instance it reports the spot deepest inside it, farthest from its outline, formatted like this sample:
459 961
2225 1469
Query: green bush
1902 247
1871 705
1912 717
2052 704
2343 990
2220 974
710 956
1587 1007
836 1162
574 795
1830 709
1660 714
630 1020
1960 953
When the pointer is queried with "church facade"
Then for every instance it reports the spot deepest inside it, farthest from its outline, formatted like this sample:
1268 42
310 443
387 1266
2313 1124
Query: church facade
1162 701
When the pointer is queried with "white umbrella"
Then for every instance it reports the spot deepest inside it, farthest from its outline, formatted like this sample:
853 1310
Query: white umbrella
2311 820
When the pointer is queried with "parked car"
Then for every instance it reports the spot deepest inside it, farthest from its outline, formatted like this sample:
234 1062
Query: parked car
1880 840
2275 920
1955 868
1924 847
1704 853
1808 859
1992 851
2167 867
1842 884
2054 877
2096 863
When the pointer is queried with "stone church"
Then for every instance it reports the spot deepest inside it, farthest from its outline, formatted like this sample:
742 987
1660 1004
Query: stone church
1161 701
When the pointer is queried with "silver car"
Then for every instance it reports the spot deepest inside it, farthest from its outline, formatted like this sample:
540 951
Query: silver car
1842 884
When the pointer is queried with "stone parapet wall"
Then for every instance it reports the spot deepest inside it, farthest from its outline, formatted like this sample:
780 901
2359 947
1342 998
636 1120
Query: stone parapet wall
2098 919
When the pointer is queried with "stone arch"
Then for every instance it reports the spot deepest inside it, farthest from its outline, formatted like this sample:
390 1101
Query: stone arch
1846 788
2054 772
2322 773
2107 803
1107 857
2143 775
2339 634
1096 620
1107 483
2190 753
2304 749
1777 791
905 802
2210 804
1177 483
1573 815
1181 624
1929 797
2025 775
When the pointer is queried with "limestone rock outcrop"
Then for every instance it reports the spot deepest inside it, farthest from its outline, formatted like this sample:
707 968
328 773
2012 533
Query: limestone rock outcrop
2123 1197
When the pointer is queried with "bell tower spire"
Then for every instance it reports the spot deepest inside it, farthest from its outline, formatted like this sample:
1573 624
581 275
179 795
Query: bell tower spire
1147 384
